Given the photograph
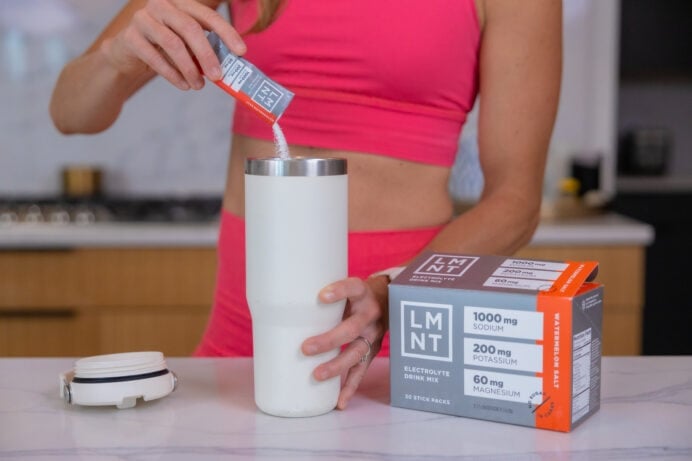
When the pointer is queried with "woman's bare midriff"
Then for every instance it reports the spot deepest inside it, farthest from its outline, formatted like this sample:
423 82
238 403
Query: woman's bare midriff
384 193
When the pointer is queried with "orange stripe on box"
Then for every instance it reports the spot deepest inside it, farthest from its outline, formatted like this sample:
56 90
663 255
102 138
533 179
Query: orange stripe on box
555 411
572 279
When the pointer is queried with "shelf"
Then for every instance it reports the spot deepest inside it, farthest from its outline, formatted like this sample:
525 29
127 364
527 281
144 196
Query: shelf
654 184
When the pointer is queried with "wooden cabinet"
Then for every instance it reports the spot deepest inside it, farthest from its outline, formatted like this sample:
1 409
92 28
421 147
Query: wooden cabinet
96 301
621 271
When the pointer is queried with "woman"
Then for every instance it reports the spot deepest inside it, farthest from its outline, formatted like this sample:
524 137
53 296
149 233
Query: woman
386 85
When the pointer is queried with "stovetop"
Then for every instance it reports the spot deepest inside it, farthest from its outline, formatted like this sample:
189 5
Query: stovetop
66 211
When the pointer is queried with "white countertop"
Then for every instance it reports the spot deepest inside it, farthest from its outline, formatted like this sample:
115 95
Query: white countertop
646 413
606 229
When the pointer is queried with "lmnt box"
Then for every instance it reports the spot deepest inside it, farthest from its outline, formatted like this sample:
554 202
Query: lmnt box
497 338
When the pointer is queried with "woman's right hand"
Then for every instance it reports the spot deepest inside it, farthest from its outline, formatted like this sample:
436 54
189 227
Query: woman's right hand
167 36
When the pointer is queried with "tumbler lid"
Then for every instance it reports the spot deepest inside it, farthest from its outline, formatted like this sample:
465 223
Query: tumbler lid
295 166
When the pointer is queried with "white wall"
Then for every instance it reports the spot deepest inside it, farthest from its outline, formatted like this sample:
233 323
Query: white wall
587 116
166 141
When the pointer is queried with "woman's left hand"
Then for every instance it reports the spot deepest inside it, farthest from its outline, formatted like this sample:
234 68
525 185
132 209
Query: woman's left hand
365 317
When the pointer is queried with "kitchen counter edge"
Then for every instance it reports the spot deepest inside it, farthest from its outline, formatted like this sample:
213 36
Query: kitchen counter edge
605 229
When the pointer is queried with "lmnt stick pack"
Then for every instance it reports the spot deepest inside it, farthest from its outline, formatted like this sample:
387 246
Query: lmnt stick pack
249 85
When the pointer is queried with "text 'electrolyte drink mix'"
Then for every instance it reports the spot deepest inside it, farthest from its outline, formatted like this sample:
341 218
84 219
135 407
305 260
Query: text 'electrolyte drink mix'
497 338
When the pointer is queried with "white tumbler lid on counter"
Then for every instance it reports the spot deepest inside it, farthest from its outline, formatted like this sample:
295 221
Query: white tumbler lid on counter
117 379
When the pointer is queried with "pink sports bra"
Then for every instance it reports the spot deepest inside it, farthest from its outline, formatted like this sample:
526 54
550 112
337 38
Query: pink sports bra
387 77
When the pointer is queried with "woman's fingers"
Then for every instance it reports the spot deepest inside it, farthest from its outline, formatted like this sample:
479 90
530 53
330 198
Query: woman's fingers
169 36
145 51
189 20
351 288
211 20
361 329
169 47
185 24
346 331
350 386
349 357
363 311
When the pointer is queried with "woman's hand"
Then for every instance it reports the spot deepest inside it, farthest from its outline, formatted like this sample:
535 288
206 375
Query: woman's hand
167 36
146 38
365 316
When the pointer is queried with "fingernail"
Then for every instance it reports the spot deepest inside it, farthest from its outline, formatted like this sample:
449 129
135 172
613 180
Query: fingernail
321 374
310 349
215 73
328 295
239 48
184 86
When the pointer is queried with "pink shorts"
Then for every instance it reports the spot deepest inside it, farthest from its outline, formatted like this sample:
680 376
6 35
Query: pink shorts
229 331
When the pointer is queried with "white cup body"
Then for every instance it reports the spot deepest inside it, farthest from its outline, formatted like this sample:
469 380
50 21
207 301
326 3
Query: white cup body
296 244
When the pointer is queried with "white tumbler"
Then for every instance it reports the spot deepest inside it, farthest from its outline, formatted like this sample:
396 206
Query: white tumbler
296 228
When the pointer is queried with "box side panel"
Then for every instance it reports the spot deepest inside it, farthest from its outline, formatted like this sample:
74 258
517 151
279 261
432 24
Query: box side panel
587 315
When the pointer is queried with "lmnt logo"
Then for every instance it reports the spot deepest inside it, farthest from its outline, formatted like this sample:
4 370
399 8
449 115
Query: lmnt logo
268 96
448 265
426 330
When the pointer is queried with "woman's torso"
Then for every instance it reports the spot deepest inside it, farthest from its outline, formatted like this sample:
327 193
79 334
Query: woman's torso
384 193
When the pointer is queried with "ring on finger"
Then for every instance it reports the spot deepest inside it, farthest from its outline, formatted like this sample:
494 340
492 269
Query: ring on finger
364 358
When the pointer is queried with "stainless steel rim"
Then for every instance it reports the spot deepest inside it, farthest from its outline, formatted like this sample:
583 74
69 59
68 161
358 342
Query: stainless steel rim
295 166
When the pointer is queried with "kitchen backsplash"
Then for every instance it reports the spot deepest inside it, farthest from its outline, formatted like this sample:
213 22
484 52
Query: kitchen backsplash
166 142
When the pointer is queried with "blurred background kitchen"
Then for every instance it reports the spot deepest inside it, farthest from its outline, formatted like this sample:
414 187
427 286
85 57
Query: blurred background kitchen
107 241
